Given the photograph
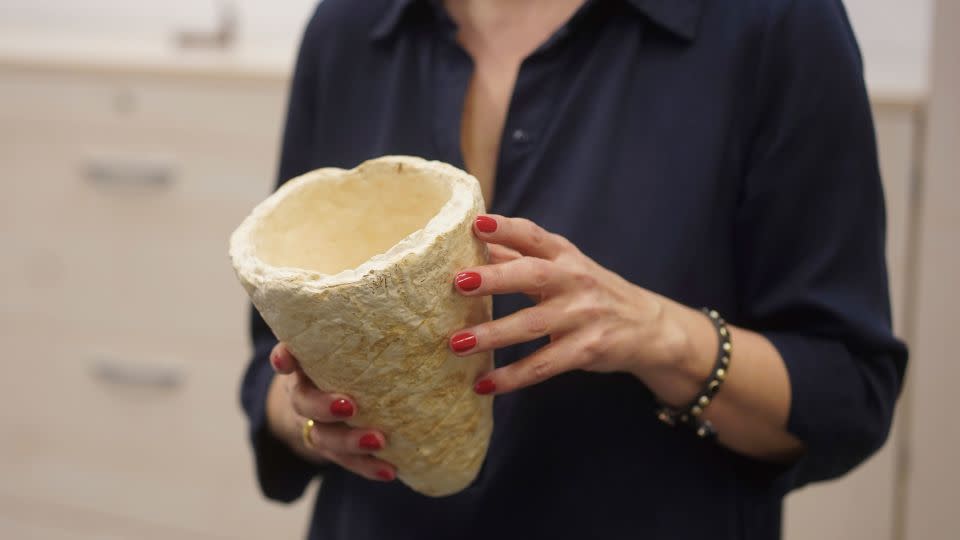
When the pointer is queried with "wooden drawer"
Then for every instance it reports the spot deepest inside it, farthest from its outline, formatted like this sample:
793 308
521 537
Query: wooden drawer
22 519
126 226
122 257
120 302
139 427
116 100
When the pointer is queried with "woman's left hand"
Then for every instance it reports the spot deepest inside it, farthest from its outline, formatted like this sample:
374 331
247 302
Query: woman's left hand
596 320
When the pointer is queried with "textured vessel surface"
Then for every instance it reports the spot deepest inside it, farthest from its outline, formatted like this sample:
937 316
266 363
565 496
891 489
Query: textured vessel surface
353 270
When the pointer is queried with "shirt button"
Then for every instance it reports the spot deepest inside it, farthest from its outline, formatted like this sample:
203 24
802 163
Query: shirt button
520 136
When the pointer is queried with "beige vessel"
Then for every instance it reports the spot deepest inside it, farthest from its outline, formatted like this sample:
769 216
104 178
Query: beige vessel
353 270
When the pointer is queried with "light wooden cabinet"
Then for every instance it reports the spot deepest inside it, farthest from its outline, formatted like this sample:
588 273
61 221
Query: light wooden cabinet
934 434
121 321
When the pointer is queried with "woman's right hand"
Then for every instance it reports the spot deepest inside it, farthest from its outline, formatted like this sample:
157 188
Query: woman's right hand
293 399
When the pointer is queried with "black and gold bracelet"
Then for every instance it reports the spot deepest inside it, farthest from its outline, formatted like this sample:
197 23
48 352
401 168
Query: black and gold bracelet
690 415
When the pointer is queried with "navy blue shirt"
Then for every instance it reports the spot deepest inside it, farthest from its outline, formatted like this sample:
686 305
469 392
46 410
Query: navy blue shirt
719 153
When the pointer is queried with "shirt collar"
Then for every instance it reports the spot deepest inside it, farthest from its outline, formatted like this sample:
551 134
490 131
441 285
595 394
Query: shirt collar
681 17
390 19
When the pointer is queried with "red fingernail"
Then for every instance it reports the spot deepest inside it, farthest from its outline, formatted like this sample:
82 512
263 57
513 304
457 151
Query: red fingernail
468 281
486 224
385 474
484 386
464 341
341 408
370 442
278 362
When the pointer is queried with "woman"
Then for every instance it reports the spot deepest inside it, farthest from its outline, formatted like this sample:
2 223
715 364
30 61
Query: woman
680 154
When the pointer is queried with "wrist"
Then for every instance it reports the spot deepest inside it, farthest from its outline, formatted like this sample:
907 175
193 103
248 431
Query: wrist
689 345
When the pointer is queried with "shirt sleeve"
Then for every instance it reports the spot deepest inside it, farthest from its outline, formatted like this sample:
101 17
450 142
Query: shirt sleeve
810 236
281 473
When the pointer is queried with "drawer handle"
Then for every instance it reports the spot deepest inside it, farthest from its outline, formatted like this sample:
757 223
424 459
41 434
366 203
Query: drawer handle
129 174
114 371
221 37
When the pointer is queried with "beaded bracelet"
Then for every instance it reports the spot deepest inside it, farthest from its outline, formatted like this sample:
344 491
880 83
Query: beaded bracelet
690 415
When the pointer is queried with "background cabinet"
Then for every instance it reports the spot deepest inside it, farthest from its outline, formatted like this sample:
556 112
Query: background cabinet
120 307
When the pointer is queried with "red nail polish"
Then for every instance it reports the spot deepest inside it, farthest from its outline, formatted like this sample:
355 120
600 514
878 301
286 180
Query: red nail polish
468 281
385 474
486 224
484 386
341 408
464 341
370 442
278 362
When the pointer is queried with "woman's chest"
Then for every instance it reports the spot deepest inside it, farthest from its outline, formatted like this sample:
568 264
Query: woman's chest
623 154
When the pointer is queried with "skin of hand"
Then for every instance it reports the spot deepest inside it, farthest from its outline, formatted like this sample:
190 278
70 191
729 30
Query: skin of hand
293 398
597 321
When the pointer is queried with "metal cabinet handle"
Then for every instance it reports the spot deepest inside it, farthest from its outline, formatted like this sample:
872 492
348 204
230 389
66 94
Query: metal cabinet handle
130 173
116 371
221 37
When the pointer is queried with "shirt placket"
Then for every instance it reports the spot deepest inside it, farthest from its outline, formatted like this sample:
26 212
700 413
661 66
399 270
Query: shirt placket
535 95
528 112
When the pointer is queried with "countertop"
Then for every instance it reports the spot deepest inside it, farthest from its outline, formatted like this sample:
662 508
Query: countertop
887 84
243 59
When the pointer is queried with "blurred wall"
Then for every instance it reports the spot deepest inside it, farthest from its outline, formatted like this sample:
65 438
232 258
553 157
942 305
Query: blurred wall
895 40
894 34
934 473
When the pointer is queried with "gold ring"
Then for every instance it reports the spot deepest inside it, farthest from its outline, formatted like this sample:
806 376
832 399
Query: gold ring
307 428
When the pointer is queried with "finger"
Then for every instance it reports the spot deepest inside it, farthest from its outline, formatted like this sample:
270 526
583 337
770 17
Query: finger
553 359
282 359
340 438
368 467
529 275
311 402
520 234
518 327
295 380
499 254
